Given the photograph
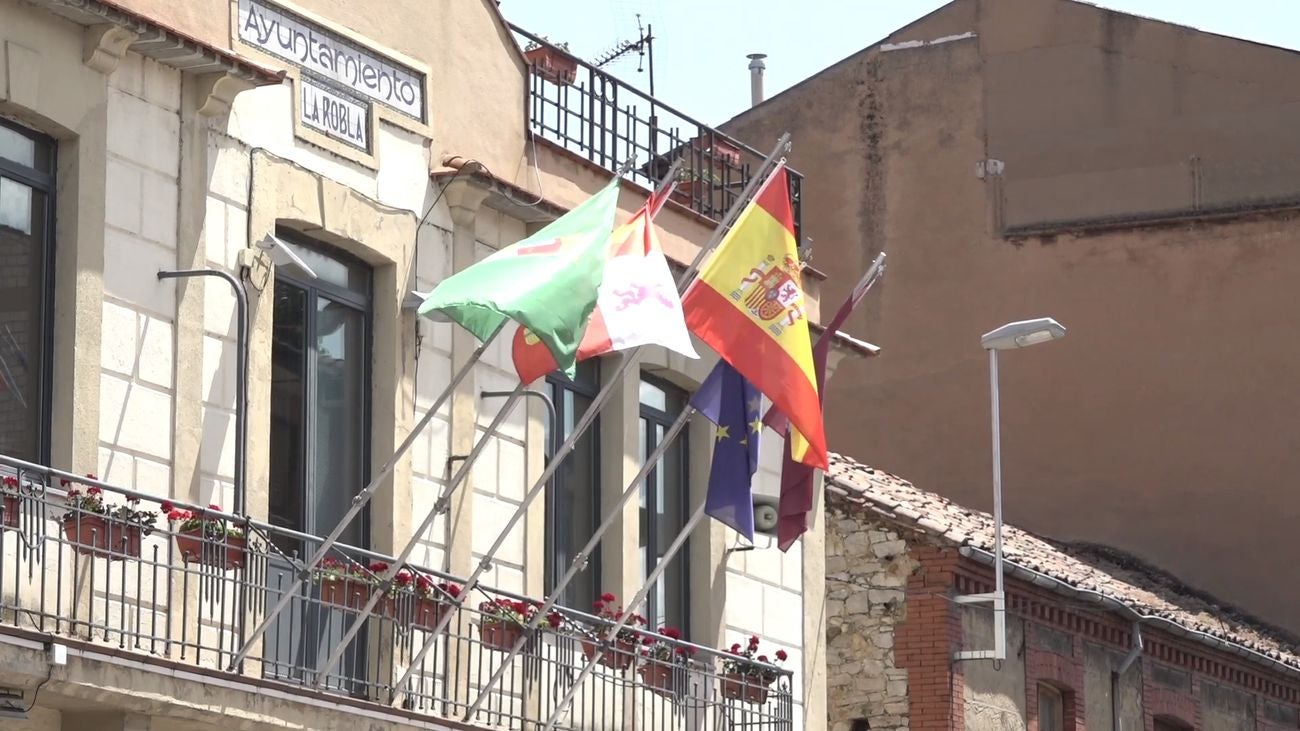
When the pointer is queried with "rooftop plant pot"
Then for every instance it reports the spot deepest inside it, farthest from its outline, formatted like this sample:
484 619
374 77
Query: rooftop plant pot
659 676
11 515
346 593
619 657
552 65
499 634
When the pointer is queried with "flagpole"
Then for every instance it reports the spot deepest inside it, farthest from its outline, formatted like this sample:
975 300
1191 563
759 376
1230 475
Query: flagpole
630 357
386 579
358 502
612 516
629 611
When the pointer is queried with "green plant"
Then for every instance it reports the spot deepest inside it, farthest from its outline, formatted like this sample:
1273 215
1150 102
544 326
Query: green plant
91 502
194 522
534 45
332 569
608 608
502 609
749 663
664 648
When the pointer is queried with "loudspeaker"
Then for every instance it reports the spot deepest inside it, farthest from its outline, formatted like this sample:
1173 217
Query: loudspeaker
765 514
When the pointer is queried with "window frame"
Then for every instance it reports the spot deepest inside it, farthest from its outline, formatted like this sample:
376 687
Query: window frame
553 569
1059 698
365 305
651 548
46 183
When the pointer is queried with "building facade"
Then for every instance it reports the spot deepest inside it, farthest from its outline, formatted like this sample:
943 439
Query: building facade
1095 639
1131 178
321 161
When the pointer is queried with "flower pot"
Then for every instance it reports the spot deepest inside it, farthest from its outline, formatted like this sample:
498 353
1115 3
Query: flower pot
223 553
552 65
659 677
747 688
95 535
427 613
619 657
499 635
345 593
11 511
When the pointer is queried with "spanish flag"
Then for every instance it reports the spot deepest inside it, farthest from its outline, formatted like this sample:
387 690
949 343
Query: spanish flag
748 305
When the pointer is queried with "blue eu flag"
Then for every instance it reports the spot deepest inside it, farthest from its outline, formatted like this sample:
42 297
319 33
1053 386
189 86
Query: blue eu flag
734 404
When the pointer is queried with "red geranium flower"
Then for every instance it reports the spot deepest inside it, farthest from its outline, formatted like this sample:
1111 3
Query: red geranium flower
781 655
166 507
608 597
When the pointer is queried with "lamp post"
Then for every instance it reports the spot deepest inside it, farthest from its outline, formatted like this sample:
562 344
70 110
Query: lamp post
1010 336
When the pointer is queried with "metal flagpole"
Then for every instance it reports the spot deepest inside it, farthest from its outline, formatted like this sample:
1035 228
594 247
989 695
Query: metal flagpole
385 581
612 516
628 611
606 392
358 502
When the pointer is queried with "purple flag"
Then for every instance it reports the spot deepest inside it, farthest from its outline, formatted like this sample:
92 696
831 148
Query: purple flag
734 404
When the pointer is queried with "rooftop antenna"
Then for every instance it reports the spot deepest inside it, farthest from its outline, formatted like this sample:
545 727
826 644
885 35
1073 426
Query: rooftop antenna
643 46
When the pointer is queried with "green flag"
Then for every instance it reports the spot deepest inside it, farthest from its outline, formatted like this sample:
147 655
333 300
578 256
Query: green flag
547 282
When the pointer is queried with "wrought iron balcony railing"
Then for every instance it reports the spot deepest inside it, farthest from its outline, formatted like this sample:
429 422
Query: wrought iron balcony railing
593 114
78 558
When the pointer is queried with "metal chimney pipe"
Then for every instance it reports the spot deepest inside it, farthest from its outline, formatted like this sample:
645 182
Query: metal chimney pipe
756 67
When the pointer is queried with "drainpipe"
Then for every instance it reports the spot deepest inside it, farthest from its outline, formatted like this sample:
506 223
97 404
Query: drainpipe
1116 674
241 376
756 67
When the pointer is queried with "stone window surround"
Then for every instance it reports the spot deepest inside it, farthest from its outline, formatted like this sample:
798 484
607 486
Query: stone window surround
1063 672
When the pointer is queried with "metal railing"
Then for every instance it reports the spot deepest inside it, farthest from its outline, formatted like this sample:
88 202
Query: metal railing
80 558
593 114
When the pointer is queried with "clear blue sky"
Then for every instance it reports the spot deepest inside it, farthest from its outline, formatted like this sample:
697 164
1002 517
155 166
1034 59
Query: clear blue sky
700 46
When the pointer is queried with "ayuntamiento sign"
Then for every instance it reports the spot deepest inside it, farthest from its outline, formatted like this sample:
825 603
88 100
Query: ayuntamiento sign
330 60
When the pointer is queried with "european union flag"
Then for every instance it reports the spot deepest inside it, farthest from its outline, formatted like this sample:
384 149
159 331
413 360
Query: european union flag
734 404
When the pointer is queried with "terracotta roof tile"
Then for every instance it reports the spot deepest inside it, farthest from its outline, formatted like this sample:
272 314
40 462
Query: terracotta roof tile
1106 571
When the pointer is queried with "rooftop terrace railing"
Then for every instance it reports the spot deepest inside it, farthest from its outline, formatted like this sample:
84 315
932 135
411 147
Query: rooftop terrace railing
607 121
83 559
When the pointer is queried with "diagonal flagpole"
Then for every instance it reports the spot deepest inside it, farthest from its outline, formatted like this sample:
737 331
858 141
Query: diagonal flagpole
386 578
358 502
647 465
864 285
630 357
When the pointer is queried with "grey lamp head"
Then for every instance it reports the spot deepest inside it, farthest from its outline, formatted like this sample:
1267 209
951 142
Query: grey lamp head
282 256
1023 334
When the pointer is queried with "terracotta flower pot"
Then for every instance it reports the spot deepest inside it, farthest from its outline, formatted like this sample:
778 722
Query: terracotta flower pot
659 677
11 511
224 553
427 612
552 65
748 688
619 657
346 593
499 635
95 535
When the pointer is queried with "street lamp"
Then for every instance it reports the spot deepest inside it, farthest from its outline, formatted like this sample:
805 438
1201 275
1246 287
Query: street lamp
1010 336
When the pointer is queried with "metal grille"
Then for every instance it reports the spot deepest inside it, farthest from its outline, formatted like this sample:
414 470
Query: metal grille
597 116
193 596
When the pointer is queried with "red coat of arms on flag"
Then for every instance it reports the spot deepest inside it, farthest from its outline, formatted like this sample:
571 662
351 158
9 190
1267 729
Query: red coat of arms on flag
771 291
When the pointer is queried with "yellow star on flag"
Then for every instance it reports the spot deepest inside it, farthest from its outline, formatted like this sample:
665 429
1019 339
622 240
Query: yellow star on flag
724 432
755 402
756 424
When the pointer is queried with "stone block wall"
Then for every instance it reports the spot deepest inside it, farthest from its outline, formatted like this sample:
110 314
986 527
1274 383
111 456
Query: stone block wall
867 571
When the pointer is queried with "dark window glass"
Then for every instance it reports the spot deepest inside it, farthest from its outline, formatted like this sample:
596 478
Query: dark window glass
663 504
320 417
26 289
573 500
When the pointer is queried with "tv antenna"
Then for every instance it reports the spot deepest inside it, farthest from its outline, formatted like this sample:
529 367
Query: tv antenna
643 46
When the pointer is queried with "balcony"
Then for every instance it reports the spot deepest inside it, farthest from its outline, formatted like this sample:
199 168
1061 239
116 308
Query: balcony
192 597
598 117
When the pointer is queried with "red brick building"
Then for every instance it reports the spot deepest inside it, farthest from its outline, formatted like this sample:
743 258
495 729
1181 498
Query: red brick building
1095 639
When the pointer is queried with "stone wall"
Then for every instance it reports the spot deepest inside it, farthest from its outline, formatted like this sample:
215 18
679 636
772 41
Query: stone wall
867 568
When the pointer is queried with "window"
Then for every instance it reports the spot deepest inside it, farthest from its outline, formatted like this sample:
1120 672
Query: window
663 504
1051 709
27 287
573 500
320 385
1165 723
319 444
